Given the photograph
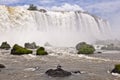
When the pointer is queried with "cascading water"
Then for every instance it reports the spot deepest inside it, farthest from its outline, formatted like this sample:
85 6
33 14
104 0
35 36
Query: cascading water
59 28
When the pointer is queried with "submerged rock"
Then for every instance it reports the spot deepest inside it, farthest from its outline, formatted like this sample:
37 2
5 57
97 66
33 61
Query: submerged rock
58 72
76 72
2 66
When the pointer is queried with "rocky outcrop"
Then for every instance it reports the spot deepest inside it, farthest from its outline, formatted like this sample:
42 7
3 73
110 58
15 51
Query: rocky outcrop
2 66
31 45
19 50
116 69
58 72
5 46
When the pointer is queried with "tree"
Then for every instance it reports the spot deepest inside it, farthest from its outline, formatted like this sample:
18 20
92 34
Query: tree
32 7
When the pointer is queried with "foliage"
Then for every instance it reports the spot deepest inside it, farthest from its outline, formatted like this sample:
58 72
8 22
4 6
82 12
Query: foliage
5 45
32 7
41 51
18 50
86 49
116 69
79 45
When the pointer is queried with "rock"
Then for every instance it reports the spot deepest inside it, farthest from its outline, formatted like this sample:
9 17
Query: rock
58 72
2 66
116 69
76 72
99 52
47 44
30 45
78 46
18 50
41 51
5 46
84 48
43 10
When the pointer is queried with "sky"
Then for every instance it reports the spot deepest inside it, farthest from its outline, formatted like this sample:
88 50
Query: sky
106 9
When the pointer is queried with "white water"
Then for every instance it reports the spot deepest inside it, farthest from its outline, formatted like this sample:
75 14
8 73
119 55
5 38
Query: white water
66 28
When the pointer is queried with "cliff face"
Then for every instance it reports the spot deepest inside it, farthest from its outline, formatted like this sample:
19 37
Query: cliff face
55 27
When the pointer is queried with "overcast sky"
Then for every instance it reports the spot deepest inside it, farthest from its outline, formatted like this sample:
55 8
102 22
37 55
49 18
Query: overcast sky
107 9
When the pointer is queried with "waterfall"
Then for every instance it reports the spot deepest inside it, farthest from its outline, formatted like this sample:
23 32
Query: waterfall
59 28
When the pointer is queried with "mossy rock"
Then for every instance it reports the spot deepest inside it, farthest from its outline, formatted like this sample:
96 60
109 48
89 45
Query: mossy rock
86 49
5 46
41 51
79 45
18 50
116 69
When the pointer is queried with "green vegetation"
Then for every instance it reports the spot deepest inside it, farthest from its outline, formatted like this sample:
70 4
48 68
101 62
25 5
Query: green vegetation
85 48
32 7
116 69
5 45
41 51
18 50
79 45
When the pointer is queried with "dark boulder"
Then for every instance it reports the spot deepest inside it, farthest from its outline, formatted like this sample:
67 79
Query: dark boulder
5 46
58 72
99 52
2 66
30 45
76 72
116 69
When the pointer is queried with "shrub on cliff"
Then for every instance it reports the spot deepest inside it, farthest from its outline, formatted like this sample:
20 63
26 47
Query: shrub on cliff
18 50
5 45
85 48
41 51
32 7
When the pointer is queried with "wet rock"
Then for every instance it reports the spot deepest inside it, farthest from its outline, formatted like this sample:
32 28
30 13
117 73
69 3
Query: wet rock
76 72
5 46
99 52
19 50
2 66
41 51
84 48
116 69
30 45
58 72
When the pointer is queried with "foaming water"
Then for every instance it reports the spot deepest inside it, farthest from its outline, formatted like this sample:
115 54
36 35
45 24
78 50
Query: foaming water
33 67
66 28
